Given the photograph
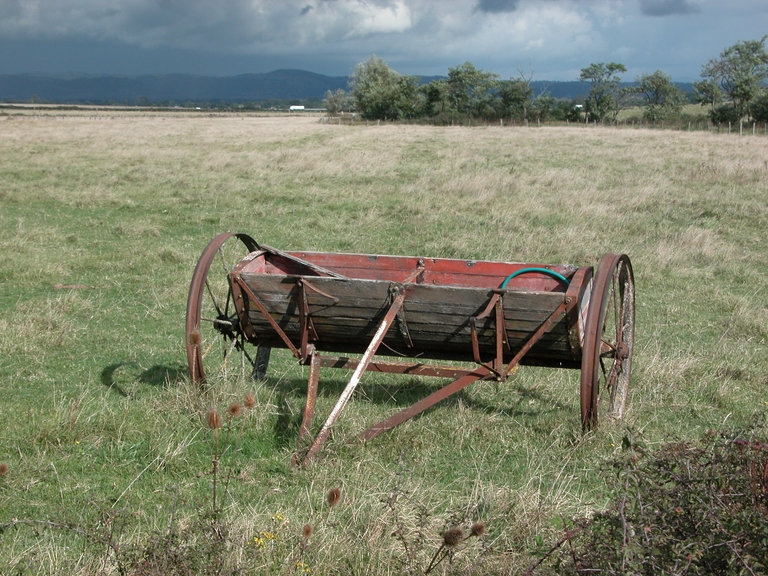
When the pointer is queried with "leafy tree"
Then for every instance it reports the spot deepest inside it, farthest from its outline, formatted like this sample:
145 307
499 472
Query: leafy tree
470 90
740 71
334 102
662 98
434 97
708 93
543 106
516 95
409 101
725 113
760 108
566 110
380 93
604 99
374 88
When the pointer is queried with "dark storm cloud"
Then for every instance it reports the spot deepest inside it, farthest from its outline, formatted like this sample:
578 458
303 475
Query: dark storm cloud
667 7
557 37
496 6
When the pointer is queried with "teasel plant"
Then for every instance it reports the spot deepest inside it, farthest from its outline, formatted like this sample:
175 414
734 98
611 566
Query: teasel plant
452 537
213 419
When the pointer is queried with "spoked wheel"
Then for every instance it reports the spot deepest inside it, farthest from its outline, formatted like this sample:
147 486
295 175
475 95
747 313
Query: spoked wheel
608 341
216 345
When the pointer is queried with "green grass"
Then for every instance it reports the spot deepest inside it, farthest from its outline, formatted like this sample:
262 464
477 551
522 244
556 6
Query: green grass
102 429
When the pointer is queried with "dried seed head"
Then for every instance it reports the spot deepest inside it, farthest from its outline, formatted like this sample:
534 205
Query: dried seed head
214 420
234 410
3 469
452 536
195 338
478 529
334 497
249 400
306 532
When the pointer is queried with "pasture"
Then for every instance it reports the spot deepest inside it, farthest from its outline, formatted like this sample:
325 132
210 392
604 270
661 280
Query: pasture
109 459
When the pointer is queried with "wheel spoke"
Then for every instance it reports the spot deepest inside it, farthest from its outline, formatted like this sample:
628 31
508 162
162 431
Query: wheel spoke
611 352
223 261
229 300
213 298
247 356
204 354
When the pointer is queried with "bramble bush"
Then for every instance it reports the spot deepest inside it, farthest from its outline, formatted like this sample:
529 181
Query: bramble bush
684 509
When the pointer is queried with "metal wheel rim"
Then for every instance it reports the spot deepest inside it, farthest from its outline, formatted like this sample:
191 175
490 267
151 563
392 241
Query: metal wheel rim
213 335
608 342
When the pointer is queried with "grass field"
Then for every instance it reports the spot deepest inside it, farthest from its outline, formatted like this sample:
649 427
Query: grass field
108 457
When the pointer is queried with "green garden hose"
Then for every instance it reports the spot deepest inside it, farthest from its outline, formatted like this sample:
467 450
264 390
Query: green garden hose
540 270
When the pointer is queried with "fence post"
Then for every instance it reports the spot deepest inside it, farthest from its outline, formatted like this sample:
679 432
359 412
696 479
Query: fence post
741 128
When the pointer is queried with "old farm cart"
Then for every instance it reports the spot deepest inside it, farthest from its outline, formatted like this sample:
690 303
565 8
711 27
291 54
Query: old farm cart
335 310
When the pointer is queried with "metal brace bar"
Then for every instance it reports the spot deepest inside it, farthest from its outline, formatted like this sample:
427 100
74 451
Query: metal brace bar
473 326
536 336
304 320
309 408
501 337
479 374
421 405
255 299
378 337
310 265
418 369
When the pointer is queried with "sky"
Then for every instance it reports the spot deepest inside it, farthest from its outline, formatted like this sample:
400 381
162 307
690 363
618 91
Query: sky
546 39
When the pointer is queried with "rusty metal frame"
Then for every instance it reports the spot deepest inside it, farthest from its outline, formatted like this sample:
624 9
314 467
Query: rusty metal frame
462 377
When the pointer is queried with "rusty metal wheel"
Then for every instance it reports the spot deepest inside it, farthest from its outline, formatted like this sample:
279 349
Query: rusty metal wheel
608 341
216 346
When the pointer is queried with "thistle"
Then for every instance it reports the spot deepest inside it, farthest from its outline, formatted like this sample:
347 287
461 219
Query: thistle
452 536
214 419
214 423
477 529
234 410
306 531
195 338
334 497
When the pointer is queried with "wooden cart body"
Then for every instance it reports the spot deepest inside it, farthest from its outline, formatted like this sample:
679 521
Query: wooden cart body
441 296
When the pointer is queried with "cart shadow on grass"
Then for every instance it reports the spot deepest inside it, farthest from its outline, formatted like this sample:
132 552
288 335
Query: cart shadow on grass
399 392
124 377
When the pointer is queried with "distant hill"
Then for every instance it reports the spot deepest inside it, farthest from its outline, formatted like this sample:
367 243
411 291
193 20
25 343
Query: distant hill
577 89
279 84
179 88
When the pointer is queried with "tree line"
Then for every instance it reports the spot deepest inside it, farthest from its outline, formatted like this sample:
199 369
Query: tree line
732 87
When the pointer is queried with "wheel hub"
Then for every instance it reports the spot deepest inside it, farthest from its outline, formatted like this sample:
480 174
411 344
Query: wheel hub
228 326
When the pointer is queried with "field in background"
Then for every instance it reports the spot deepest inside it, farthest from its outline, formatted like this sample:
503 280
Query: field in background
103 219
